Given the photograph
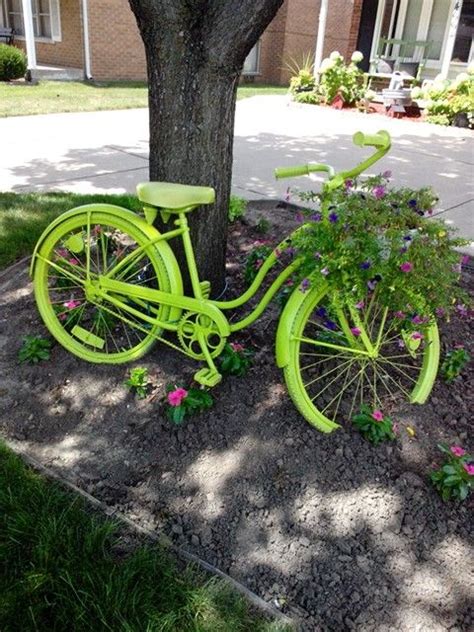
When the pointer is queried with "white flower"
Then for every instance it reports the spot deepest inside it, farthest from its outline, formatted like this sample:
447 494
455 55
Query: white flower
335 55
470 68
370 95
357 57
326 65
463 76
416 93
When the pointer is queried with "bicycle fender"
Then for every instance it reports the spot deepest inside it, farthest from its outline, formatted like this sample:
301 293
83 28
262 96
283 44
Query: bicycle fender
169 259
285 324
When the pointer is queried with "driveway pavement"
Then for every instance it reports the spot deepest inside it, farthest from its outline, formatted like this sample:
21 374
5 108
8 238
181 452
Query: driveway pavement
108 152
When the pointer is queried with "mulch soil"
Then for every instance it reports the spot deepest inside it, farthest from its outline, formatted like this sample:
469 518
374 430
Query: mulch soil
337 533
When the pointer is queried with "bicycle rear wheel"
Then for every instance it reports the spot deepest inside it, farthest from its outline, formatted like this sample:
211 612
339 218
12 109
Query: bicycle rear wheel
95 330
330 375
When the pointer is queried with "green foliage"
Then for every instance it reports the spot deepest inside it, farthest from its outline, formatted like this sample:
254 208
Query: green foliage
263 226
237 208
445 99
367 238
312 97
12 63
373 425
254 262
138 381
454 478
453 364
337 77
235 359
64 567
182 403
34 349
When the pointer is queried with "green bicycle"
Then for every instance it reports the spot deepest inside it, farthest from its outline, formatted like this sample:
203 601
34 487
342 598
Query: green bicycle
108 286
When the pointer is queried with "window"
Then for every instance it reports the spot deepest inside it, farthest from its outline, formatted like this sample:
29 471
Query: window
45 18
465 34
251 63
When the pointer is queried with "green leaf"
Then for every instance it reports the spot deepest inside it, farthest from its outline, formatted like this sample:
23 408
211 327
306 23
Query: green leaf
463 491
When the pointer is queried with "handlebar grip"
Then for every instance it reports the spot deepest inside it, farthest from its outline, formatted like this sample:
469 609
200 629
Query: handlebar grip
290 172
380 140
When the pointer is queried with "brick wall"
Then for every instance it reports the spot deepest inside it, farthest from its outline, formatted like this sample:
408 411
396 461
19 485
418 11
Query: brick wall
117 51
293 32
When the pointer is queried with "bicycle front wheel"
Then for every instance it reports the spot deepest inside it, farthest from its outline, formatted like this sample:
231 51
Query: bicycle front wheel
329 373
89 244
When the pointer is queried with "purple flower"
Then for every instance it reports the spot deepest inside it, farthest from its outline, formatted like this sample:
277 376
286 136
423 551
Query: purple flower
333 217
365 265
413 203
373 282
407 238
316 217
359 305
300 217
304 285
356 331
291 251
399 315
379 192
330 324
406 267
325 271
348 184
321 312
461 310
465 260
401 343
387 174
403 250
317 255
440 312
417 319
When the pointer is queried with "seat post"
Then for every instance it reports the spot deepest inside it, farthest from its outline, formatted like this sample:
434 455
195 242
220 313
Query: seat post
189 253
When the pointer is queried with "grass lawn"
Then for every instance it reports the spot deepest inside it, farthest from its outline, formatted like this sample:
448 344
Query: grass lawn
63 567
24 216
71 96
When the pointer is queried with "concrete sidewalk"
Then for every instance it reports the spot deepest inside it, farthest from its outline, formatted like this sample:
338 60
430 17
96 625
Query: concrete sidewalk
108 152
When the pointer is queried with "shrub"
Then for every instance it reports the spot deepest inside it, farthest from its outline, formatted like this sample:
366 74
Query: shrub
454 363
338 77
237 208
235 359
138 381
447 100
255 261
12 63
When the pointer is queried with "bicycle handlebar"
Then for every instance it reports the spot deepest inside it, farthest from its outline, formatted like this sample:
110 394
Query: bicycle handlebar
381 141
302 170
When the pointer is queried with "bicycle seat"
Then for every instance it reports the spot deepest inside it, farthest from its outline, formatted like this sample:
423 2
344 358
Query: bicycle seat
171 196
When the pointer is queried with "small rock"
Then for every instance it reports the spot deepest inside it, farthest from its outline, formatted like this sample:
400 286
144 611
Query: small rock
195 540
304 541
177 529
290 441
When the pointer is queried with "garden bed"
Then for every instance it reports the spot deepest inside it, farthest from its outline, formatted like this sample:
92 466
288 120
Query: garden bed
337 533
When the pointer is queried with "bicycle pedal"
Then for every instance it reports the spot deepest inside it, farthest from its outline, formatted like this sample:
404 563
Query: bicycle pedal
205 289
208 377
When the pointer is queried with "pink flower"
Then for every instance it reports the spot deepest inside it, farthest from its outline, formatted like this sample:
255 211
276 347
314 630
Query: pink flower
457 450
360 305
465 259
237 347
418 320
399 314
356 331
379 192
469 468
61 252
72 304
416 335
406 267
324 271
377 415
176 397
73 261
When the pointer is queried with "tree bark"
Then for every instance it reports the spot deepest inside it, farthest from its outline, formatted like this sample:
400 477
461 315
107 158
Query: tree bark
195 52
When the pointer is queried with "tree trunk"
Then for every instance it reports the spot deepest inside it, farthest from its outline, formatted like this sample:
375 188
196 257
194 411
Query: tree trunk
194 59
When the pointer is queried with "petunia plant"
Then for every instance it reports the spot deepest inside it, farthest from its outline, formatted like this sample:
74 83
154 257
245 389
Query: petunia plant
235 359
454 479
454 362
181 402
374 425
366 238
